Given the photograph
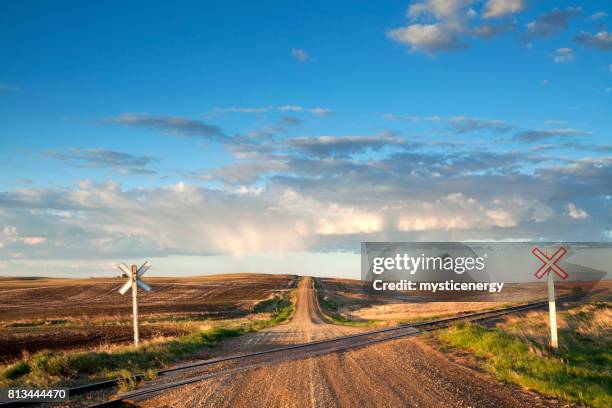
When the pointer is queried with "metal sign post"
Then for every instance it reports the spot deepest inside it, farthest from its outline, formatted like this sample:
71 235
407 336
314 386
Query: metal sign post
552 311
549 264
134 281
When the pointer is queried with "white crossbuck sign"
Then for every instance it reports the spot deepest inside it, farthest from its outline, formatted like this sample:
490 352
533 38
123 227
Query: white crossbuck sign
134 281
141 271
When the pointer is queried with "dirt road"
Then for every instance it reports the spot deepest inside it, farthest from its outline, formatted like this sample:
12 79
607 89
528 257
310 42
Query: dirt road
398 373
307 324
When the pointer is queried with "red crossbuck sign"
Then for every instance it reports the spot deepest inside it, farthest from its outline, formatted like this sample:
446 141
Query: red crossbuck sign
550 264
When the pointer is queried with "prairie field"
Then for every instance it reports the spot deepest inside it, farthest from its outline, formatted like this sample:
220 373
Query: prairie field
65 314
352 300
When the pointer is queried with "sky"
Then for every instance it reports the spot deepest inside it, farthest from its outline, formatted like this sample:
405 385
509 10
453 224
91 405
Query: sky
276 136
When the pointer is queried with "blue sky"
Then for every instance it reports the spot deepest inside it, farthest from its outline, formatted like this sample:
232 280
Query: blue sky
231 136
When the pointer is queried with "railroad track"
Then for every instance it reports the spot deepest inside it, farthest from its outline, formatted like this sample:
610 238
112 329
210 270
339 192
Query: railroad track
188 374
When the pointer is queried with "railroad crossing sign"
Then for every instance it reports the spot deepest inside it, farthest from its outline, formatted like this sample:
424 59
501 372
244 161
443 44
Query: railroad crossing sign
134 281
549 264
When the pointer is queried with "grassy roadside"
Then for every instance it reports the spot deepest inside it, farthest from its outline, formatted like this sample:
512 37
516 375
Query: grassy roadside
516 351
49 368
329 310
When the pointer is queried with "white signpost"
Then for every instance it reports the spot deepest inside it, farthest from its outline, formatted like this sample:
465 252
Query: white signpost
552 312
134 281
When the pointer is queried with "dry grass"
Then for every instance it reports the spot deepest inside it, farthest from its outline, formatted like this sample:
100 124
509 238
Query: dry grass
592 320
410 312
352 300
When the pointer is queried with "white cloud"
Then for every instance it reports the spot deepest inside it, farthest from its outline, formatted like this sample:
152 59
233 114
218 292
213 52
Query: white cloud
34 240
172 125
575 212
284 198
488 31
291 108
599 15
337 146
456 211
300 54
544 82
564 55
329 218
321 111
184 219
233 109
552 23
429 38
458 124
501 8
9 231
9 235
601 41
442 9
535 135
443 35
446 25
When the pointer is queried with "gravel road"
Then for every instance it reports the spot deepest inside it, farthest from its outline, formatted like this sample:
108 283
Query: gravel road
399 373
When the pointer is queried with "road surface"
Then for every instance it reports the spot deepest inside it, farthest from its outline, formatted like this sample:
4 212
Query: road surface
398 373
307 324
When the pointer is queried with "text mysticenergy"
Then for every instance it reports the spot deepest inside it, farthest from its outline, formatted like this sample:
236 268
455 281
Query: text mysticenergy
493 287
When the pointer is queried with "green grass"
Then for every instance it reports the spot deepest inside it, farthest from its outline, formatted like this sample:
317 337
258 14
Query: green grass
46 368
580 372
14 371
422 319
283 314
339 319
79 323
37 323
127 381
271 305
330 310
328 304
